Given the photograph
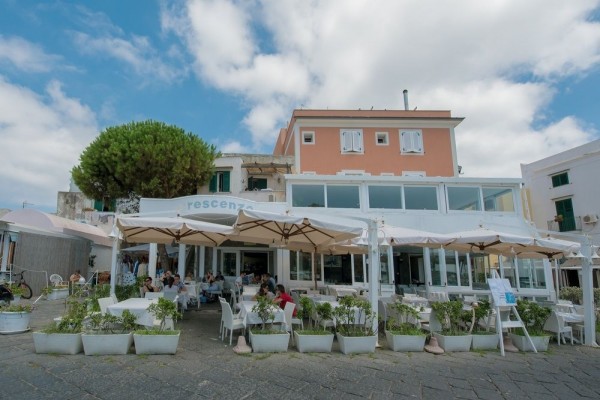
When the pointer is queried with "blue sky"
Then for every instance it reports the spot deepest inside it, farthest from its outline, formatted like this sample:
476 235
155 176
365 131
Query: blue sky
524 75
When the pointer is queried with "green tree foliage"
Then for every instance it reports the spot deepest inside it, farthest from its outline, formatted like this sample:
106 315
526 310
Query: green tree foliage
147 159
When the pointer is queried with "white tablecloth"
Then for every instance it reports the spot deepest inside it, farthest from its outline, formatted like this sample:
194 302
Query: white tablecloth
251 318
138 307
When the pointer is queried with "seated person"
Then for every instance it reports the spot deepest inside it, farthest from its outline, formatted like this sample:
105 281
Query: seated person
75 277
5 294
219 276
170 289
148 286
208 278
239 281
189 277
263 292
180 289
281 298
165 278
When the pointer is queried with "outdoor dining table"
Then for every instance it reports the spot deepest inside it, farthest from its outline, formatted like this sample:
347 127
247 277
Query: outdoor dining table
137 306
250 317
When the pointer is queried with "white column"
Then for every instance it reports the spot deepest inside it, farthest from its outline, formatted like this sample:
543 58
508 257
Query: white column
214 261
201 261
113 262
374 270
588 294
152 259
181 261
5 245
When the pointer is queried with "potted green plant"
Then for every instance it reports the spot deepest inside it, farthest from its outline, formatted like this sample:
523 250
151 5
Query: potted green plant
452 336
64 335
354 324
482 339
14 318
534 317
403 331
109 334
313 339
159 340
17 292
267 339
56 292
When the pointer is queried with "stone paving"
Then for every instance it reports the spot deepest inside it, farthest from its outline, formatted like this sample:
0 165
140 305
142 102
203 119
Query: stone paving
205 367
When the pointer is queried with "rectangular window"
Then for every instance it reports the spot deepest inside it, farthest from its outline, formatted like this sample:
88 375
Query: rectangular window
464 198
308 137
339 196
411 142
256 183
359 269
351 141
385 197
560 179
531 274
436 270
219 182
305 267
420 198
498 199
308 195
381 138
565 215
293 265
480 271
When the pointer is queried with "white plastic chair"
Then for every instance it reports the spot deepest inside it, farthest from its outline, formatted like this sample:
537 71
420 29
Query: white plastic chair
153 295
288 314
230 323
56 279
556 324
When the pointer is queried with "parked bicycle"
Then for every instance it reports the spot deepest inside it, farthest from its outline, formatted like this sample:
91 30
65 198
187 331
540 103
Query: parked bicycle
19 281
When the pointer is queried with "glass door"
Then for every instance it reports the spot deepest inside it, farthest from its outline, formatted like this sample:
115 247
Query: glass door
230 265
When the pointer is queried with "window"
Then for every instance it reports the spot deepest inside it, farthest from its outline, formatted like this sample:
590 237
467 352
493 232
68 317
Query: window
411 142
308 195
308 137
385 197
560 179
256 183
464 198
105 205
339 196
498 199
351 141
219 182
564 208
420 198
381 138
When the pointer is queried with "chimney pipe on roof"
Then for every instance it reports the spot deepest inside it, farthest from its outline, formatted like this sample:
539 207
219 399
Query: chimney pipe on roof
405 99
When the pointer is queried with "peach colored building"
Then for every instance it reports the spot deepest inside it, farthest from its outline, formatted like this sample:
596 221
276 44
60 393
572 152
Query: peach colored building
330 142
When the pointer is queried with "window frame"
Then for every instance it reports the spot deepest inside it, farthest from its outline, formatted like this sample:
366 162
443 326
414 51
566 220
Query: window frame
385 136
559 181
305 135
415 145
355 141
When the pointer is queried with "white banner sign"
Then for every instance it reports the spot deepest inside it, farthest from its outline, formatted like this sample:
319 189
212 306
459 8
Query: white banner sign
502 292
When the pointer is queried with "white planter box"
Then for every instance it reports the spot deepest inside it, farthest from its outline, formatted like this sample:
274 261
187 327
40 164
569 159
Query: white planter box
271 343
57 294
454 343
155 344
521 342
102 344
485 342
58 343
405 342
314 343
14 322
357 344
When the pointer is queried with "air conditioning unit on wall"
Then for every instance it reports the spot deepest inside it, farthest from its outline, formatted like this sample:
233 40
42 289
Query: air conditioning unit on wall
590 219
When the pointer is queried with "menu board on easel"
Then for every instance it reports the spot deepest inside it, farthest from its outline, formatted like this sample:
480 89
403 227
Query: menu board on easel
502 293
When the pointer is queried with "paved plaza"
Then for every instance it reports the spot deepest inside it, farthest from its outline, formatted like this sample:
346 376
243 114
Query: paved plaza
205 367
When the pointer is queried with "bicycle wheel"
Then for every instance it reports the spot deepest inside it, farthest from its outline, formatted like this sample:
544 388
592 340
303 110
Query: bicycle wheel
27 292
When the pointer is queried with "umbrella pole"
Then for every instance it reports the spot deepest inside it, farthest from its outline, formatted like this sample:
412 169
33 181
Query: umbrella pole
557 278
314 270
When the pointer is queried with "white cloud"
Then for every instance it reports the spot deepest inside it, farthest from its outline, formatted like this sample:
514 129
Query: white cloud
26 56
42 136
494 63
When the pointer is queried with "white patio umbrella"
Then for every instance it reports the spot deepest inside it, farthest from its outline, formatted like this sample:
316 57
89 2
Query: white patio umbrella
283 229
172 230
401 236
547 247
488 241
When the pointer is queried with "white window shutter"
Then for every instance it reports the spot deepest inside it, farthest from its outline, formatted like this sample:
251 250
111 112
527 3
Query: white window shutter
418 142
357 141
346 141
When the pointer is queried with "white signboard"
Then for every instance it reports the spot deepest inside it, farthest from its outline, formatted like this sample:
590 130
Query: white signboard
502 292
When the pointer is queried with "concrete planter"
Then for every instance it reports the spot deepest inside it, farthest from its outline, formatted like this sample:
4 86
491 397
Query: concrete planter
269 343
57 343
454 343
521 342
357 344
14 322
57 294
405 342
155 344
314 343
103 344
485 341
